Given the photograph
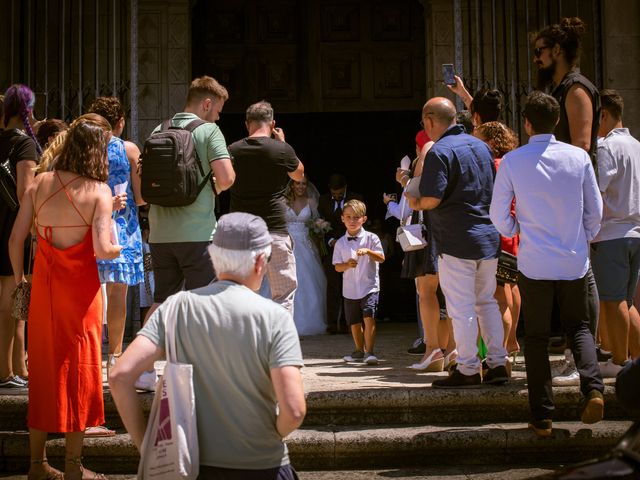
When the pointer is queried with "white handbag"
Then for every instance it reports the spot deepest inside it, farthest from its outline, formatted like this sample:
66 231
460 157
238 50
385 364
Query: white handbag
410 236
170 445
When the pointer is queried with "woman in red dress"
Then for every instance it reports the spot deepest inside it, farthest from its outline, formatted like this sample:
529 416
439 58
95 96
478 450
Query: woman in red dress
71 209
501 139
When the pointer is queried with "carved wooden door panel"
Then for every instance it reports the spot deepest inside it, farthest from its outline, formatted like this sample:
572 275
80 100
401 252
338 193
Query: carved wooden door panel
164 59
313 55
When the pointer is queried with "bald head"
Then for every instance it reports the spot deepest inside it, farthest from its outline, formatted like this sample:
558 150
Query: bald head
438 114
441 110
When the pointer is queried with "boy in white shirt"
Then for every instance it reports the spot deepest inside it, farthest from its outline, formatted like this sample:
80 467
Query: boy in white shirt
357 255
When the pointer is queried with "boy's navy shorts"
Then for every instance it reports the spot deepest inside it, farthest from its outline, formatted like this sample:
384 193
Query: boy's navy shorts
356 310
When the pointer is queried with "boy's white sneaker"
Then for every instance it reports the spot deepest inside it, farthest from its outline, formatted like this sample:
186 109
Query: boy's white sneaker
370 358
356 356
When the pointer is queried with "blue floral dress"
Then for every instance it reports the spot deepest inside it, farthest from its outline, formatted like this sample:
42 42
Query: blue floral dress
128 267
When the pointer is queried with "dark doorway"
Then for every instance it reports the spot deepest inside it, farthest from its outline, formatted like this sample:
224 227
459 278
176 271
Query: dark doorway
347 83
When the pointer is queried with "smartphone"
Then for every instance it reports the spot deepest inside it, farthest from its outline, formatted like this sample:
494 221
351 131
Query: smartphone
447 74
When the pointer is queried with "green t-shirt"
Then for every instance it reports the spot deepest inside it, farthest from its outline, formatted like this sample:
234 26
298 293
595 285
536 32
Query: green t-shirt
233 338
195 222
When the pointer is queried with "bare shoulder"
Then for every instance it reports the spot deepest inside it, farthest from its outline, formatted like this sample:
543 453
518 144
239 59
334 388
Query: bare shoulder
131 148
578 93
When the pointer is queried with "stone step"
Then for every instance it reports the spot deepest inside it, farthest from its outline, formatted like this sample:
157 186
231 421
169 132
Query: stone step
384 446
404 404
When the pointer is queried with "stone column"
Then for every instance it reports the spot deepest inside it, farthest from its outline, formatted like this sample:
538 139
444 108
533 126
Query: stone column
621 56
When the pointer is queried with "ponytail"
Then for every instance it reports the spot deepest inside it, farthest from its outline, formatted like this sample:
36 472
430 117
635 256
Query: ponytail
29 130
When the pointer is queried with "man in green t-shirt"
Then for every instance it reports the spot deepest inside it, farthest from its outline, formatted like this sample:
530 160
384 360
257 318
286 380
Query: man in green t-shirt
179 236
246 360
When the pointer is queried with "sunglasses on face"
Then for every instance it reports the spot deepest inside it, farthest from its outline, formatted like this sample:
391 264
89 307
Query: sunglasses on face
537 52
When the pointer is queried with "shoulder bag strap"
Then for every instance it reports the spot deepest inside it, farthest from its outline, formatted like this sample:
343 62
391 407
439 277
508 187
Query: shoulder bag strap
170 332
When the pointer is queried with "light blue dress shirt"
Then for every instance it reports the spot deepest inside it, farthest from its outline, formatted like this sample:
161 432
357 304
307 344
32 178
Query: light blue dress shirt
558 207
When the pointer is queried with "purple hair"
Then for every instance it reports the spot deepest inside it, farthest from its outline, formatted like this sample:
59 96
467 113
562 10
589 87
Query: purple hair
19 100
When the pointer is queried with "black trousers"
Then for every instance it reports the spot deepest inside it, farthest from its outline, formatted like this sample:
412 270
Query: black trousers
537 305
334 291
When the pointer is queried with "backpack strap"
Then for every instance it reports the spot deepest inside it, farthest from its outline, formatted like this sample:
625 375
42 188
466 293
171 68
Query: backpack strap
166 125
208 178
193 124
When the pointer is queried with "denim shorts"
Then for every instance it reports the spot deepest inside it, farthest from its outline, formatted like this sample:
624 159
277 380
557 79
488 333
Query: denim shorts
356 310
615 265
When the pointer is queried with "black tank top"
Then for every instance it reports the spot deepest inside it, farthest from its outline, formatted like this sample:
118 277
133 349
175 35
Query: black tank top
562 132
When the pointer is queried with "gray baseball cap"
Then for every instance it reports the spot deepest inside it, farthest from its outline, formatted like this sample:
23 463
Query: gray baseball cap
241 231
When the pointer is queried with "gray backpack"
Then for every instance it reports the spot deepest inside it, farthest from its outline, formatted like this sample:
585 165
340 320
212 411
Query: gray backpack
172 175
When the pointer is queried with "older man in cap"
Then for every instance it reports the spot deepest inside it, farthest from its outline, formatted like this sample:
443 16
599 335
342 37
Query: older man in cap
246 359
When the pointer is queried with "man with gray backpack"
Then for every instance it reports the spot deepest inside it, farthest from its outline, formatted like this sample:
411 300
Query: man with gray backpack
183 161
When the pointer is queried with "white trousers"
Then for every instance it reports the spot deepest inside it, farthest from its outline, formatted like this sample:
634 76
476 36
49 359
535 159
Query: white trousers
469 286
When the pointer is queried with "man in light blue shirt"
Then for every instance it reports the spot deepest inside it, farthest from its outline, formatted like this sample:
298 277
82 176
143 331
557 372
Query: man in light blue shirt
558 212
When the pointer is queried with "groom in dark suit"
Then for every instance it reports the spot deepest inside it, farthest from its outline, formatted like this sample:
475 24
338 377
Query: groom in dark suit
330 208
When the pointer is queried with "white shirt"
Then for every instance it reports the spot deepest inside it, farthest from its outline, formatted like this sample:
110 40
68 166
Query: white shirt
558 207
362 280
619 179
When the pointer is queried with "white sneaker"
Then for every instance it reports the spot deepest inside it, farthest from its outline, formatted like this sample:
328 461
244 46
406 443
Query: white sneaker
370 359
147 381
609 369
569 378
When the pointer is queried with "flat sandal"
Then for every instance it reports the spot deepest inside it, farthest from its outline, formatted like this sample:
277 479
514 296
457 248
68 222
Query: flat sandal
51 473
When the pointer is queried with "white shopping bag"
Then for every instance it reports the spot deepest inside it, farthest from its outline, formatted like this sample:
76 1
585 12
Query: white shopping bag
170 446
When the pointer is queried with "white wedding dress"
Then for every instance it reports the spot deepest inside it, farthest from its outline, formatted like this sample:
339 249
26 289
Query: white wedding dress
309 312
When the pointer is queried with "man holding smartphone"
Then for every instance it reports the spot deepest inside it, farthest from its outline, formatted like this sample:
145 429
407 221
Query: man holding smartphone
264 163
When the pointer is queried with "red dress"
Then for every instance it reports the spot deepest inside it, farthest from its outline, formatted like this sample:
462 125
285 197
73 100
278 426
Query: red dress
509 245
65 333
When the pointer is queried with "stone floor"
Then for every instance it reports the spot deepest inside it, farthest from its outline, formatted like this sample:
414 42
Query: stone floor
325 370
452 473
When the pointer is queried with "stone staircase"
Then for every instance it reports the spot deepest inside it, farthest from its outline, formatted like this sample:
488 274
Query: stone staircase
375 417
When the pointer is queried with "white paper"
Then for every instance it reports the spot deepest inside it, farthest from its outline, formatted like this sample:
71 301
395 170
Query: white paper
405 163
120 188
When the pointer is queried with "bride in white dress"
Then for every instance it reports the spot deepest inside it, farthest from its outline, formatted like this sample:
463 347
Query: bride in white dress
310 298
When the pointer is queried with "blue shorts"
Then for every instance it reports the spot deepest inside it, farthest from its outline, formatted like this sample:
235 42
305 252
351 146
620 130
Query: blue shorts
356 310
615 265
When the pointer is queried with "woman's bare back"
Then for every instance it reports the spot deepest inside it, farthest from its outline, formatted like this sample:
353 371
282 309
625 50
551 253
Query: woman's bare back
69 217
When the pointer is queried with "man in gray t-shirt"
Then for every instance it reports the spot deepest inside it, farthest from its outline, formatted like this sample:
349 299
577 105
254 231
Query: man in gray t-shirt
245 354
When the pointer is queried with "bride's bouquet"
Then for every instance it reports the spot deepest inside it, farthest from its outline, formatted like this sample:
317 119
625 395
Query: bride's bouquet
317 228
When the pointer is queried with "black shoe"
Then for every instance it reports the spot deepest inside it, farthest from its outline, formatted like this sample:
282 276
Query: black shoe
418 349
458 380
602 355
496 376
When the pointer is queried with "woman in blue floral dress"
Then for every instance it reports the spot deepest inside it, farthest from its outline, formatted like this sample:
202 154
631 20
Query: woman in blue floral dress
128 268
